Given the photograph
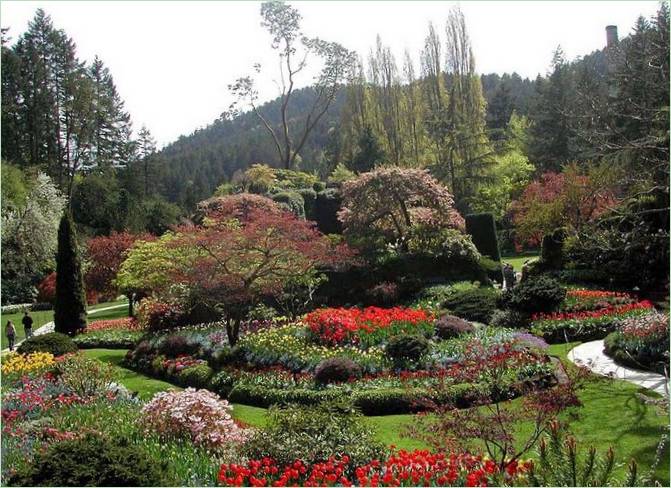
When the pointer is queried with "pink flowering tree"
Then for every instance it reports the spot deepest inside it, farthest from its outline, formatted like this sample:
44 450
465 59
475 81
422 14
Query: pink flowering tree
384 205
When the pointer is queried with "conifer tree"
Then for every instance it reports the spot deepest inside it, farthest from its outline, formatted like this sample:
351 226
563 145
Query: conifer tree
70 307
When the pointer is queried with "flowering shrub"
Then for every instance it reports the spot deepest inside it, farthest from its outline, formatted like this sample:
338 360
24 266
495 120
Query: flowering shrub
641 342
19 364
155 315
586 325
367 327
401 468
46 290
180 363
197 414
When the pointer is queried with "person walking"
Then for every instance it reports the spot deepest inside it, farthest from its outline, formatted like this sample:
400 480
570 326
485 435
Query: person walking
10 332
27 322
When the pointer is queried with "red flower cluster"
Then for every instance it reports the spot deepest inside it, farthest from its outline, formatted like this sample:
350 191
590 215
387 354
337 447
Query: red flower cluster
591 314
335 326
402 468
116 324
596 294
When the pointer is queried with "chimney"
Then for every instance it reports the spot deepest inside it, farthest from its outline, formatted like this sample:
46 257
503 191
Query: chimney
611 35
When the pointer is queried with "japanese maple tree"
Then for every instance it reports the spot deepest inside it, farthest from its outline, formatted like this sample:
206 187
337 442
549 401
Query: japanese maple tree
235 262
384 204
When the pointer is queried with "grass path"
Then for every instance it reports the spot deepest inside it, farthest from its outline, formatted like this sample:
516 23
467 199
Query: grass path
44 316
612 415
518 260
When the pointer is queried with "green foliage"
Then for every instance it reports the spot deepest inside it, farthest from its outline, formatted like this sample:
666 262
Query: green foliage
309 199
108 339
55 343
511 319
476 305
340 175
292 201
15 187
561 464
92 460
195 376
404 349
314 434
369 153
552 254
449 327
482 229
337 370
70 305
539 294
326 211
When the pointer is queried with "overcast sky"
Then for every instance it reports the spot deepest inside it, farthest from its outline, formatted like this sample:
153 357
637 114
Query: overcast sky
172 61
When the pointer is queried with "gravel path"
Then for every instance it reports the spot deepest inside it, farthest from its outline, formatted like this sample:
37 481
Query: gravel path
591 355
49 326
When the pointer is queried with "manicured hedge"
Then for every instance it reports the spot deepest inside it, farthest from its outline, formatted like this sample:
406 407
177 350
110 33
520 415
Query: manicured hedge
482 229
326 209
293 201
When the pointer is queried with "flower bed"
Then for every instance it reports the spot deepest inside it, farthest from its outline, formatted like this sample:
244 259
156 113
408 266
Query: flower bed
401 468
589 300
641 342
121 333
20 364
366 327
586 325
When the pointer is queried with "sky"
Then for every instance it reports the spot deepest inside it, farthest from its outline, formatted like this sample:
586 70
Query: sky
173 61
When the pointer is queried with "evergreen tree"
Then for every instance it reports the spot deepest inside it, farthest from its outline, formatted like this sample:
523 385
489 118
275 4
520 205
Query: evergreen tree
70 306
369 153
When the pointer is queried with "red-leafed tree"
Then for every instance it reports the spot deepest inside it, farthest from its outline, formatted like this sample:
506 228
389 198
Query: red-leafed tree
567 199
105 255
238 206
382 206
235 262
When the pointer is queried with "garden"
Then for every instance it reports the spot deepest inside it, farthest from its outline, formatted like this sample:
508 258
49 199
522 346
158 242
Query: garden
441 277
244 364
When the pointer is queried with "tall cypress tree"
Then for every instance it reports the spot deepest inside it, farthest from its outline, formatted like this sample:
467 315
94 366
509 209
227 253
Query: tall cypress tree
70 309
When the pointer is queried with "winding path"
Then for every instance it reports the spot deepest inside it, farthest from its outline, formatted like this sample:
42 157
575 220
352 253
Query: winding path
591 355
49 326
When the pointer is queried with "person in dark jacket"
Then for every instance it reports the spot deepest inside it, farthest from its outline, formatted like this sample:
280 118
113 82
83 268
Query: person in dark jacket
27 322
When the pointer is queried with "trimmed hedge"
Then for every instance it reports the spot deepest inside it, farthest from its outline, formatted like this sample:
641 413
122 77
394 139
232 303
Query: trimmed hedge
326 209
54 342
476 305
293 201
482 229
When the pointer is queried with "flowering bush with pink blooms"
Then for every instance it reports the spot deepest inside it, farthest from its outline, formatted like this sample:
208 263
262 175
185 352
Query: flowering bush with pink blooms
197 414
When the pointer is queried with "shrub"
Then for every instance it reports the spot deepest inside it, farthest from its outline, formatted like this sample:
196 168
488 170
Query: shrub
449 327
198 415
552 249
176 345
319 186
385 293
92 461
511 319
84 376
535 295
326 209
309 198
155 315
313 434
195 376
494 269
476 304
335 370
46 290
54 342
222 383
482 229
404 348
292 201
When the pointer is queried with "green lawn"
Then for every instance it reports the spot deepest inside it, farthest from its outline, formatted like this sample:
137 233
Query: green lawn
612 415
42 317
518 260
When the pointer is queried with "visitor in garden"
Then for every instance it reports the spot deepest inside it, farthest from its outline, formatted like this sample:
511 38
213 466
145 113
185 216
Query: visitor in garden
27 325
509 275
10 332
